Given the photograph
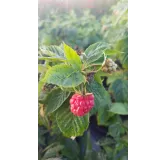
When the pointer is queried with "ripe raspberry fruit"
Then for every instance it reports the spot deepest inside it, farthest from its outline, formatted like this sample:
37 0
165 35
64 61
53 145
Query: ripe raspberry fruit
81 104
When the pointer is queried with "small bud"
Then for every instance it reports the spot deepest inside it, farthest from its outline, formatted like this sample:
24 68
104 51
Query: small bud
109 64
83 56
116 65
104 69
114 69
110 69
109 60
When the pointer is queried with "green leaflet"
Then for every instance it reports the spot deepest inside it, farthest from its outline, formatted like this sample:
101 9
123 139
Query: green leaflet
114 129
102 98
55 99
94 52
97 78
64 76
119 108
40 85
69 124
52 51
72 57
120 90
114 76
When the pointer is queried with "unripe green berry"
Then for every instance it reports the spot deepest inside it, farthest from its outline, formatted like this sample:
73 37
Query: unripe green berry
114 69
109 64
116 65
109 61
110 68
109 71
83 56
104 69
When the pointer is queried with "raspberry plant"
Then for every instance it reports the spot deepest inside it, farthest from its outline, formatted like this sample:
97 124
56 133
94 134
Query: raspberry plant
85 69
75 86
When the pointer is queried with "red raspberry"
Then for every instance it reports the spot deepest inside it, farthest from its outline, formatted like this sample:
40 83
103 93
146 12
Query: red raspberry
81 104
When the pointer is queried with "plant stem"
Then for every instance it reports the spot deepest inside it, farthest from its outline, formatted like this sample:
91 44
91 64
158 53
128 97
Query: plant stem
89 72
92 65
82 89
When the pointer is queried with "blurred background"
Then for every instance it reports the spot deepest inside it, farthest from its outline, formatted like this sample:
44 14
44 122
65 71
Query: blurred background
81 23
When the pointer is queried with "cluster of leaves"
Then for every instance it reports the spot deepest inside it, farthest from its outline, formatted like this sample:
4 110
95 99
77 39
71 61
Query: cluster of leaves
68 73
88 28
62 72
65 72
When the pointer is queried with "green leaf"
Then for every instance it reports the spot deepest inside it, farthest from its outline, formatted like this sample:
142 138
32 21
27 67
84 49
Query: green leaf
55 99
41 137
103 74
102 98
103 116
97 78
52 51
43 121
42 68
119 108
97 155
114 130
109 152
40 86
122 45
125 138
41 140
125 123
54 127
114 76
100 61
94 52
69 124
65 76
113 53
51 59
105 141
71 149
120 90
52 152
72 57
125 60
43 97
